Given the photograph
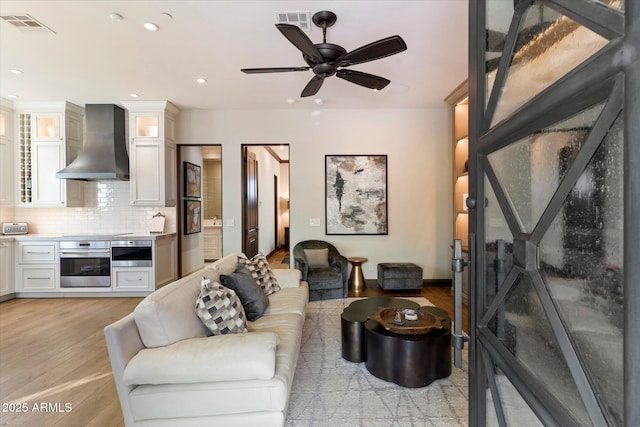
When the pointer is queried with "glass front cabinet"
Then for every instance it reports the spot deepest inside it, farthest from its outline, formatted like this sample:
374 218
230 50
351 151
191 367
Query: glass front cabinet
49 137
152 153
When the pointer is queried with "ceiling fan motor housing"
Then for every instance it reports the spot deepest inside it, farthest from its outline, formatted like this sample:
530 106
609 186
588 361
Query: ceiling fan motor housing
330 54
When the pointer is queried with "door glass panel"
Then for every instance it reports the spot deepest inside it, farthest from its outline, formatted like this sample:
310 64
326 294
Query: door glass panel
515 409
497 234
531 169
498 15
529 337
548 47
581 260
618 4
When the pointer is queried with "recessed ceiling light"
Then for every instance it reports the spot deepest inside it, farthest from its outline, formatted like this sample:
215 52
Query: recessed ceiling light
151 26
319 101
291 101
14 71
166 15
134 95
201 80
115 16
12 96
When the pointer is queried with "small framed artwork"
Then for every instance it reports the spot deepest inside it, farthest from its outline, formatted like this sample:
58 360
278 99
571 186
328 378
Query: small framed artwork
356 194
192 180
192 216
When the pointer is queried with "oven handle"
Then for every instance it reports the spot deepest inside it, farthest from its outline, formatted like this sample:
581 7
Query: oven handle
105 252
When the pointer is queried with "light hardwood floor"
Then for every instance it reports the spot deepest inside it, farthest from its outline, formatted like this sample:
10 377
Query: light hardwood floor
53 353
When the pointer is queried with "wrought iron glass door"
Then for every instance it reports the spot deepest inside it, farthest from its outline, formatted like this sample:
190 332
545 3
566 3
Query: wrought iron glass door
554 132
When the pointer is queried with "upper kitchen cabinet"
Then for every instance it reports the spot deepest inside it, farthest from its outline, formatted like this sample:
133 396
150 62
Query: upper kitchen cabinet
6 153
152 152
49 137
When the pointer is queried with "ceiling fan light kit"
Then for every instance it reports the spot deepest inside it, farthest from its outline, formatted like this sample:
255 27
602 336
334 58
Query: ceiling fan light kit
328 59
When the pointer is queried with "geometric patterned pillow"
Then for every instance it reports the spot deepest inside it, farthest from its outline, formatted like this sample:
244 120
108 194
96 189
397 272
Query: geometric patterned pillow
258 266
220 309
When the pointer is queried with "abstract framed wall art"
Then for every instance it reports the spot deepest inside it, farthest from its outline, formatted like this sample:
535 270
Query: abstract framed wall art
192 214
192 180
356 194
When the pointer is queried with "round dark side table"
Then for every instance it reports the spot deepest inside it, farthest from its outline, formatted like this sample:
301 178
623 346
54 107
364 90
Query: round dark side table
354 317
409 360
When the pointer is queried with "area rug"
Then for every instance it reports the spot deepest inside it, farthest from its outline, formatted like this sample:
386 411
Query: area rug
330 391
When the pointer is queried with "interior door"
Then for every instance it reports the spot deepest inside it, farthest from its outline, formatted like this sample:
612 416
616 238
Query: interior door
554 109
250 245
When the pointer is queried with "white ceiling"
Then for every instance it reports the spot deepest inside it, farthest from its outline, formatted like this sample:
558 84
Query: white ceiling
93 59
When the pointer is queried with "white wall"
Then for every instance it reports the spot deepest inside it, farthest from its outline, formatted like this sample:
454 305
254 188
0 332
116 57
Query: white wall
192 252
417 143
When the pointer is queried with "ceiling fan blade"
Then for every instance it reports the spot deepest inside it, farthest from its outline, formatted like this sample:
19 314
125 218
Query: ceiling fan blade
299 39
272 70
376 50
312 87
363 79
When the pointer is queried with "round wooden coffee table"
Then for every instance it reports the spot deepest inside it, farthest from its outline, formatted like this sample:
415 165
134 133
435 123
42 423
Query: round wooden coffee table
409 360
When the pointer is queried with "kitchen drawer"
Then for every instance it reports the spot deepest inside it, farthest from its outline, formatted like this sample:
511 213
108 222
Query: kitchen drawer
29 253
38 279
131 279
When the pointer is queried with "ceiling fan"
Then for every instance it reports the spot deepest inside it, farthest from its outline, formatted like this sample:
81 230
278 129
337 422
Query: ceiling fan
327 59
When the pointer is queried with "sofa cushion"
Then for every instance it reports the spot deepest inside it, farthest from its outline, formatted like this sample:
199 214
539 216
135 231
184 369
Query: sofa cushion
166 316
288 277
317 257
289 300
220 309
221 358
254 301
259 268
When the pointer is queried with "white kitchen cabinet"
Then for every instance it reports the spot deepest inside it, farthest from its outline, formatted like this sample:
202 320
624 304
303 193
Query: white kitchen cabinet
132 279
152 153
165 260
37 267
7 285
7 179
49 137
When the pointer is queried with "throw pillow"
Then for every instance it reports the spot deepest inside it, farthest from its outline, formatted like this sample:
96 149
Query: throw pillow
317 257
259 268
220 309
254 301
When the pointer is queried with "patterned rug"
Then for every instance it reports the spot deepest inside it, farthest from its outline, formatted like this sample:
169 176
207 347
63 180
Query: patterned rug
330 391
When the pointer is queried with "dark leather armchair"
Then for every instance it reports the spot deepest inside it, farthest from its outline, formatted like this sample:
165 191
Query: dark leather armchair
326 272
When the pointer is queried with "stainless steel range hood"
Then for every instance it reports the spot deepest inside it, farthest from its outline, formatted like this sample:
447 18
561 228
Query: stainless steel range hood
104 154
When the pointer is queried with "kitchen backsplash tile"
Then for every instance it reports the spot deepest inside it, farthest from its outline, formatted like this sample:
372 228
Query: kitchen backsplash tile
107 210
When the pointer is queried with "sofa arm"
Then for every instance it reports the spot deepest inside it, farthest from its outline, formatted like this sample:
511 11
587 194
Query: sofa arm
123 343
231 357
287 278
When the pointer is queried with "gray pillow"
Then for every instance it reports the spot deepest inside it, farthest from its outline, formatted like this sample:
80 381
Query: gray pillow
253 299
317 257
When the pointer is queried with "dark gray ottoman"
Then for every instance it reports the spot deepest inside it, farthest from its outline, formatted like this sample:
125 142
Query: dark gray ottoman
399 276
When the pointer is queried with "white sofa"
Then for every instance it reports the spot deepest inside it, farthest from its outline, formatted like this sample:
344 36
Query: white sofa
169 371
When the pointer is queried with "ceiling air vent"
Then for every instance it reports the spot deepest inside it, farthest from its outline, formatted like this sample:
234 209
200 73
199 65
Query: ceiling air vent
301 19
26 22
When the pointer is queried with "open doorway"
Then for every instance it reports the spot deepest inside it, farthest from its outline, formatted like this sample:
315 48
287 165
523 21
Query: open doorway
265 205
201 241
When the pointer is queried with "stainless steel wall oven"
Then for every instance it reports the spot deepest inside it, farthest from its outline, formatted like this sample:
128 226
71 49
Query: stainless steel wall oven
85 264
